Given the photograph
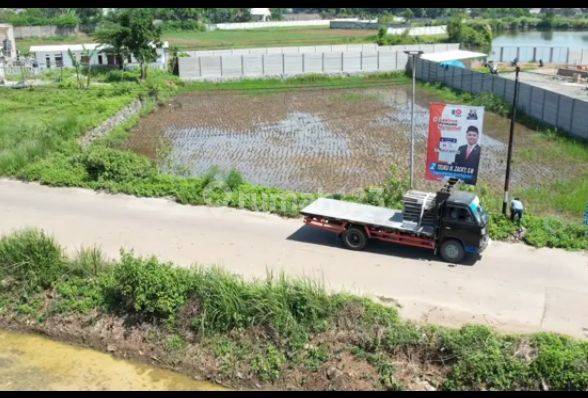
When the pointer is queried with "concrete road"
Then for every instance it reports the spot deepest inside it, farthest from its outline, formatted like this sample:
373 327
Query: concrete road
513 287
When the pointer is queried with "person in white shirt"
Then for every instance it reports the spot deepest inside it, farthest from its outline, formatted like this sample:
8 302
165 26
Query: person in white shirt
516 209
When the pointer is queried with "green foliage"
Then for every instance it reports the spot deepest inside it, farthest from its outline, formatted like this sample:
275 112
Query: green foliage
269 364
146 286
31 258
482 360
234 179
561 362
107 164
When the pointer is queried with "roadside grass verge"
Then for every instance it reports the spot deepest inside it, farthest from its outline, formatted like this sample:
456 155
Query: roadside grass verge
269 329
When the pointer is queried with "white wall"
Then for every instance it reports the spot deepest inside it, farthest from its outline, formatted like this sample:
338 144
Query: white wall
271 24
41 57
284 64
420 30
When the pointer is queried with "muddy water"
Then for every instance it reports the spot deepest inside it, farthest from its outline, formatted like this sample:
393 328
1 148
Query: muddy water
29 362
309 140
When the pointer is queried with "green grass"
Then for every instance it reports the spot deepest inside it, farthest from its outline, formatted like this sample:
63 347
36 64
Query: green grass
271 37
220 39
283 318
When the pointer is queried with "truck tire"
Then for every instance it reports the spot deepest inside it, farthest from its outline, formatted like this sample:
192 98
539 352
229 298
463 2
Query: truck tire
452 251
354 238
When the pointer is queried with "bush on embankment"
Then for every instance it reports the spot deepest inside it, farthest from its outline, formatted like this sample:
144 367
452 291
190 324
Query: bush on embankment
192 307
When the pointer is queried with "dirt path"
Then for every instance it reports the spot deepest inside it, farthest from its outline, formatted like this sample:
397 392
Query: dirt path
513 287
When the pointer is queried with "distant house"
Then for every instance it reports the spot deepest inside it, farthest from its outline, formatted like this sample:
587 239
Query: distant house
7 43
261 14
534 11
57 56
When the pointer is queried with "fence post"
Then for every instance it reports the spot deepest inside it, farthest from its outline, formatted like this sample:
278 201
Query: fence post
557 110
283 64
200 65
572 113
534 54
378 60
263 64
568 56
361 61
501 53
543 106
396 61
220 57
242 66
551 55
342 65
519 54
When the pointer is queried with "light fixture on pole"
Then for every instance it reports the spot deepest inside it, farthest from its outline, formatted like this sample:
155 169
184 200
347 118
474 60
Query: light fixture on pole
413 54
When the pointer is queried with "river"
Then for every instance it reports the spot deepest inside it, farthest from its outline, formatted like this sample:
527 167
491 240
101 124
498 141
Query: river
30 362
536 38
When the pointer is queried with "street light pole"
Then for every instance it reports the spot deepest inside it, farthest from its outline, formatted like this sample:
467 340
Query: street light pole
509 155
413 54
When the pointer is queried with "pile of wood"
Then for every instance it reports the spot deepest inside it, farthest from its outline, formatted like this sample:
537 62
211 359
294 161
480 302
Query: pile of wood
419 207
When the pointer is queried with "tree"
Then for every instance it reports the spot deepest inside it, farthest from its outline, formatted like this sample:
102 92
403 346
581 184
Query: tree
407 14
277 13
131 31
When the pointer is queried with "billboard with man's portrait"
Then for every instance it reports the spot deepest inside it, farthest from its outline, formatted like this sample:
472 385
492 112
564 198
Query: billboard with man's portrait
454 144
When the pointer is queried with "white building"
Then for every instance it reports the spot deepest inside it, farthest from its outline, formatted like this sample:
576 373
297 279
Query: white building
261 14
57 56
7 43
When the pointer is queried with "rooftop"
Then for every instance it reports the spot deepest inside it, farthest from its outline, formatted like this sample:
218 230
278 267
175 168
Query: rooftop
453 55
73 47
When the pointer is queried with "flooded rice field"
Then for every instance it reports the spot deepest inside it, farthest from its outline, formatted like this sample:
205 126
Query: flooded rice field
311 140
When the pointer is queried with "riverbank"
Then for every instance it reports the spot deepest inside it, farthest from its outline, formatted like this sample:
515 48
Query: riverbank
275 333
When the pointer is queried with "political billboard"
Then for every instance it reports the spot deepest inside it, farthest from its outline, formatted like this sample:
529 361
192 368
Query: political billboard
454 143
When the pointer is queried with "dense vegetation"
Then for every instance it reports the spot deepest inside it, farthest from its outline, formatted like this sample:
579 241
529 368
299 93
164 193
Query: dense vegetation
266 328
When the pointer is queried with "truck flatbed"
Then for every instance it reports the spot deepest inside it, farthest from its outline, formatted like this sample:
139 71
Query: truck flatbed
362 214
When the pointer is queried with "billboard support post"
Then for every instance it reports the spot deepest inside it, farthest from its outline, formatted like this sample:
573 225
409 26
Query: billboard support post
509 155
413 54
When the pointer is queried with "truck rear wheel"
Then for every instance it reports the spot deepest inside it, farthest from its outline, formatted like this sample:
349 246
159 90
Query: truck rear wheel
354 238
452 251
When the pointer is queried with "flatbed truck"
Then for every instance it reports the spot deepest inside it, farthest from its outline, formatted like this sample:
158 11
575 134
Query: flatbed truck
450 222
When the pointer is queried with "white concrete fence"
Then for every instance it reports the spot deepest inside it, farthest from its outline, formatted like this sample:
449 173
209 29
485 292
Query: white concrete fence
420 30
236 65
558 55
272 24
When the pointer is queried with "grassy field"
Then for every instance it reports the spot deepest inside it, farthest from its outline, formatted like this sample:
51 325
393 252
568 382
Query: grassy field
273 333
219 39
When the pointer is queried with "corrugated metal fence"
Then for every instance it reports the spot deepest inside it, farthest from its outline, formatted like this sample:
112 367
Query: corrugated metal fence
558 110
557 55
292 61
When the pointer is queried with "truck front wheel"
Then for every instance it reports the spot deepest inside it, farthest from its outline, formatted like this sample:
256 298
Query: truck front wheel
354 238
452 251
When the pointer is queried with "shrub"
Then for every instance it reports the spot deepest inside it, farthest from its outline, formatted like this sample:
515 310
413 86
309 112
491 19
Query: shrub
32 258
482 360
234 179
107 164
146 286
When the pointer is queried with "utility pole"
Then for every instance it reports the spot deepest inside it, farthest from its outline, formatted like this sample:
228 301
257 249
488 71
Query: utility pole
509 155
413 54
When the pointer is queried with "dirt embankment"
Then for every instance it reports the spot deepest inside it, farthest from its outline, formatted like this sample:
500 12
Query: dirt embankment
228 361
